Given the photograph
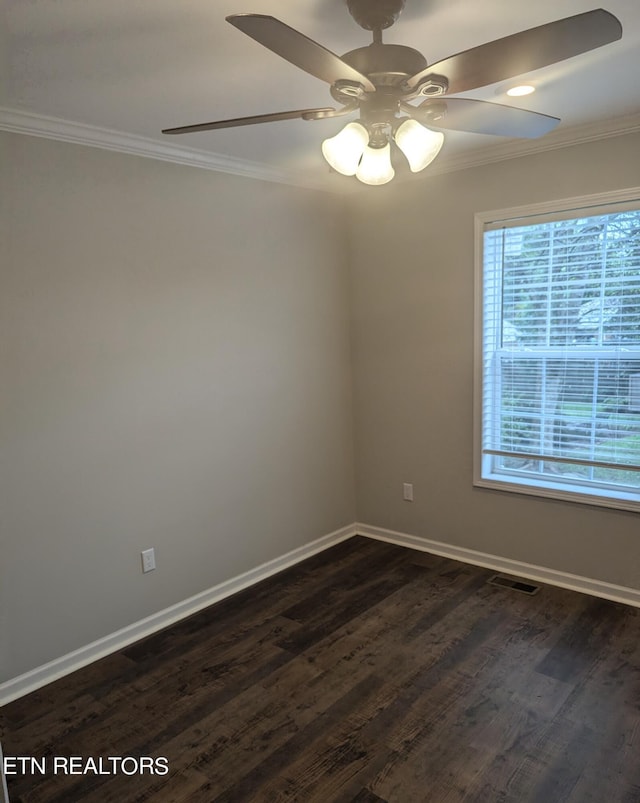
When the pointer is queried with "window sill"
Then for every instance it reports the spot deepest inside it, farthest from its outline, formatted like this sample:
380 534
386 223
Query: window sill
561 491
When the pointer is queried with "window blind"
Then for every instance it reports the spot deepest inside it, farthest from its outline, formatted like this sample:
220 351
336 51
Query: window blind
561 351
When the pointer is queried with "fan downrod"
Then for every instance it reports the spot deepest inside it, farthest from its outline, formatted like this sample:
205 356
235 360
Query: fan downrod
375 15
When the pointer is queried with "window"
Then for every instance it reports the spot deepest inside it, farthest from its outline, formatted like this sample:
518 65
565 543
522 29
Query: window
558 370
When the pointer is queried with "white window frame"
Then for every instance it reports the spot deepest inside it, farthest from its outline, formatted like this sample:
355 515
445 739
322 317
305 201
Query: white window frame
601 203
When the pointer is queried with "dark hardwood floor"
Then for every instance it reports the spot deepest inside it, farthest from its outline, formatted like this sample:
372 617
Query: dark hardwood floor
368 673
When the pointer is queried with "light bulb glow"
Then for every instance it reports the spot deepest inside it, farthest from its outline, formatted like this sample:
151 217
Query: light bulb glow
419 144
519 91
375 166
343 151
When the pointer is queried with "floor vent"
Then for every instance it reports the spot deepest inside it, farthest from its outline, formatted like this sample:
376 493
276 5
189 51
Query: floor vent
504 581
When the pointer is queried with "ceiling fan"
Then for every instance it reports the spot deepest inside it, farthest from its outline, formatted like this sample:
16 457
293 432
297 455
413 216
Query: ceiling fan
383 83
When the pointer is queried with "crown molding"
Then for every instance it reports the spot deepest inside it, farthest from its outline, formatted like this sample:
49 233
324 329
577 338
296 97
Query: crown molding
23 122
18 121
563 137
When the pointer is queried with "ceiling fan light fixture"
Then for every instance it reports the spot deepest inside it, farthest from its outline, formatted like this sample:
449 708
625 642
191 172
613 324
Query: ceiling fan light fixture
343 152
419 144
375 166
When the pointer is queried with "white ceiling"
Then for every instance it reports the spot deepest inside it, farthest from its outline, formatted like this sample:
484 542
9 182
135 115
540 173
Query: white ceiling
137 66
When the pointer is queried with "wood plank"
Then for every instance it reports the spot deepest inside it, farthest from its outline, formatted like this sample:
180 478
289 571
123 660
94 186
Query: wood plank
367 674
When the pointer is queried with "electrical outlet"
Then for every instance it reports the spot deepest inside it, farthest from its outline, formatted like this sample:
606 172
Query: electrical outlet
148 560
407 491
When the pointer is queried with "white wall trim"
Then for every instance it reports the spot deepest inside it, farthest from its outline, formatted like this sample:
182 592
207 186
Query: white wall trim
39 125
18 121
65 664
593 203
573 582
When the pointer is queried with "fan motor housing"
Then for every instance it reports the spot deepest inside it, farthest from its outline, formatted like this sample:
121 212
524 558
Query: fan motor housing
386 65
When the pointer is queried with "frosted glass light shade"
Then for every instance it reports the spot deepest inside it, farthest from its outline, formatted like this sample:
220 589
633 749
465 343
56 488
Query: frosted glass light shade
343 151
375 166
419 144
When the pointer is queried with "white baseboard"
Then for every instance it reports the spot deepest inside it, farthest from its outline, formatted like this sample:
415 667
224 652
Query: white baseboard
585 585
59 667
42 675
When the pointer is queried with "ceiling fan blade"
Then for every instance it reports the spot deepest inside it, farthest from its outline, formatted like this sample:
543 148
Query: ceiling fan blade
298 49
482 117
524 52
308 114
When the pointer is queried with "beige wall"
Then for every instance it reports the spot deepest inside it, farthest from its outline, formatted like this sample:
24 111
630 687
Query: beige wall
176 366
412 265
175 373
